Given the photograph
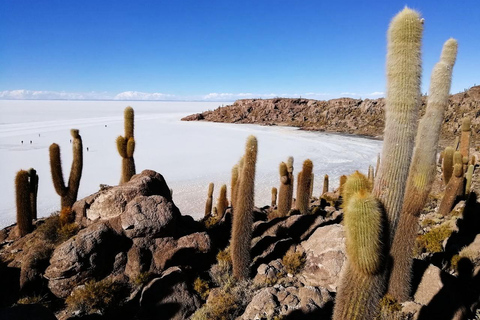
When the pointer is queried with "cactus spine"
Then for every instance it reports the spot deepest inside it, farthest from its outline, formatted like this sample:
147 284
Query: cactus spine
361 286
402 102
447 165
303 189
325 184
284 197
422 173
24 209
32 174
209 203
126 147
68 193
243 214
222 202
274 197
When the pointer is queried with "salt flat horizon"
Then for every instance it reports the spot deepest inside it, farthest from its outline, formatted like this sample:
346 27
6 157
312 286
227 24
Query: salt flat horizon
189 155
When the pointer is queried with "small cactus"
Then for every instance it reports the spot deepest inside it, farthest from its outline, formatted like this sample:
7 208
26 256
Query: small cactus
325 184
284 197
32 174
354 183
68 193
468 178
370 174
447 165
303 189
233 185
454 186
209 203
222 202
126 147
24 210
274 197
292 182
243 213
465 138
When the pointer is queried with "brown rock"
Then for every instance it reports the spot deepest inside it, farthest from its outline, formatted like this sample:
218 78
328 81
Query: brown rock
325 257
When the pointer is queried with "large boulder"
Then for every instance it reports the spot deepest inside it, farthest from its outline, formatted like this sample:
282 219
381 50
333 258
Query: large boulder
325 257
283 301
92 253
112 202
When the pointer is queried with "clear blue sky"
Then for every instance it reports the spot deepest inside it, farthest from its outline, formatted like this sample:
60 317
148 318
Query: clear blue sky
192 48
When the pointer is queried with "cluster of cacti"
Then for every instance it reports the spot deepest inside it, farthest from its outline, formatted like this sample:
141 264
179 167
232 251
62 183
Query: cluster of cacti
402 183
126 147
68 193
26 188
285 192
243 212
222 202
303 187
209 203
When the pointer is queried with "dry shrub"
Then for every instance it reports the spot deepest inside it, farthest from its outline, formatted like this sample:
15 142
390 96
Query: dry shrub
95 297
293 261
201 287
66 216
433 239
54 232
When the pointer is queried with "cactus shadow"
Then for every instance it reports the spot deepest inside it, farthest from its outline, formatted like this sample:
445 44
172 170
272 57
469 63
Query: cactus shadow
468 227
457 295
324 313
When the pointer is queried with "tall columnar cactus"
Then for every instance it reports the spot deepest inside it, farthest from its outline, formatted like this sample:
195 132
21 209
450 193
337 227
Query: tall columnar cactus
402 103
222 202
325 184
422 173
126 147
303 191
362 283
377 167
292 182
233 185
284 197
67 193
468 178
454 186
274 197
465 138
32 174
24 209
243 214
447 165
209 203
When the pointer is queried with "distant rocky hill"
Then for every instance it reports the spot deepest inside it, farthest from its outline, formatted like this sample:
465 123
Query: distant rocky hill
344 115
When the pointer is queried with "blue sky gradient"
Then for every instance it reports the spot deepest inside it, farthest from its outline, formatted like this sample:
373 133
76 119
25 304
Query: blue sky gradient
218 50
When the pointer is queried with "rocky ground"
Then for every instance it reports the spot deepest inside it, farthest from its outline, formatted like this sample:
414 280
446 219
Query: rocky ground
131 254
344 115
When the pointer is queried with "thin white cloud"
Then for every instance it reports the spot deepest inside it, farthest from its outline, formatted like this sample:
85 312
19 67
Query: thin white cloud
51 95
137 95
234 96
375 94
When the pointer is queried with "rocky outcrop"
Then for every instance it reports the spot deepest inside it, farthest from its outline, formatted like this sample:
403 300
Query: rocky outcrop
344 115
